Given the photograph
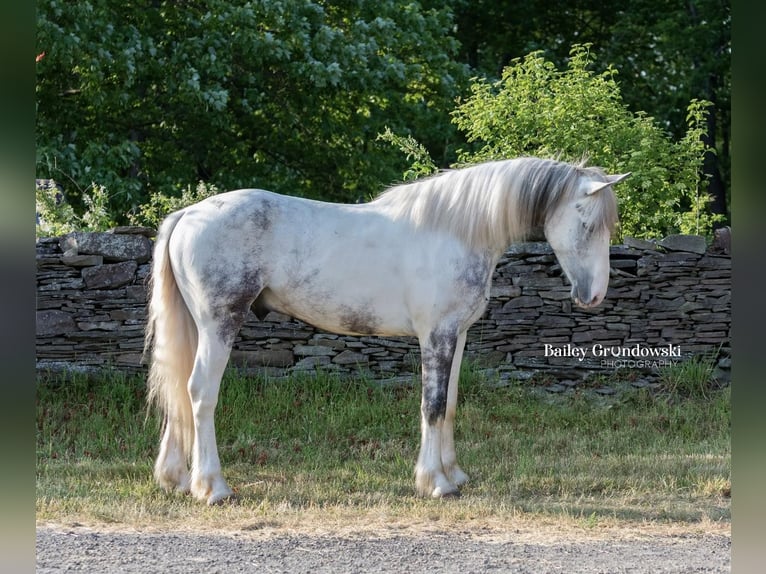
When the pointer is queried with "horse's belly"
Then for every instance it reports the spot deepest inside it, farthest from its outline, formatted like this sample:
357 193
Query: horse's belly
356 315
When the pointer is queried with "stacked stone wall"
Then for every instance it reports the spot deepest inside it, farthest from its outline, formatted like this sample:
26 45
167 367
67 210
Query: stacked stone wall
667 301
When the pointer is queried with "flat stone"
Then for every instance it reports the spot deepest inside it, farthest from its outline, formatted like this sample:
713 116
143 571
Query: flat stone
322 341
506 291
113 247
136 292
530 248
623 263
390 343
623 251
128 314
134 230
310 363
538 281
709 317
262 358
523 301
690 243
53 322
665 304
722 375
556 294
554 321
349 357
690 306
313 351
715 262
517 375
82 260
722 241
109 276
642 244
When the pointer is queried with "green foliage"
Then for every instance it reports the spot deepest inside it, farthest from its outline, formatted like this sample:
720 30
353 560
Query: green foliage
154 211
149 97
690 151
536 109
667 54
420 161
145 98
55 216
692 378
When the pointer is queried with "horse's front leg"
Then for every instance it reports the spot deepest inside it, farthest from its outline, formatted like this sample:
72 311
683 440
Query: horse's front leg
437 353
449 459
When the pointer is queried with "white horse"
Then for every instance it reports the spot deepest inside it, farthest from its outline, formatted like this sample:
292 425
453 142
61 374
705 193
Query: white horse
418 260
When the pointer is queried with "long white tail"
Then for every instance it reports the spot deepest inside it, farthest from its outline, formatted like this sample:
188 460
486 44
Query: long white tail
171 344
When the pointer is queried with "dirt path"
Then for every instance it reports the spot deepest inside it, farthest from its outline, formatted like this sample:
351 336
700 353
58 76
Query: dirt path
81 549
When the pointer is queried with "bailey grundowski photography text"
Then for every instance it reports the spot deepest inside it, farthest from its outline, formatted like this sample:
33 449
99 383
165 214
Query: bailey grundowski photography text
618 357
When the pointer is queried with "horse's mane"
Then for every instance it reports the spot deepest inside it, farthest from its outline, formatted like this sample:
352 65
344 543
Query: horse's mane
495 203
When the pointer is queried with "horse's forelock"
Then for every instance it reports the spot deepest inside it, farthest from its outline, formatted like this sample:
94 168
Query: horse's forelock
544 184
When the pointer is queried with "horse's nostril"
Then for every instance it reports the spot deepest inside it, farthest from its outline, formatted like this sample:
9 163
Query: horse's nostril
585 302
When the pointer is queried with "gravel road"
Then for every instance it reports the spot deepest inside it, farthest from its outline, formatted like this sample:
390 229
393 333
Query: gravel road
72 549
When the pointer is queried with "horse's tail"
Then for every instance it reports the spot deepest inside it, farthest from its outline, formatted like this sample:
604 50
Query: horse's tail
171 338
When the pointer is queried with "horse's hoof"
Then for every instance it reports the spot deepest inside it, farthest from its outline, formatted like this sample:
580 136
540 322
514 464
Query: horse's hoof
445 493
457 477
222 499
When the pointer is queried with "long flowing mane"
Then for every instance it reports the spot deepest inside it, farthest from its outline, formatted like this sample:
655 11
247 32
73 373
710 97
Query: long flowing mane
495 203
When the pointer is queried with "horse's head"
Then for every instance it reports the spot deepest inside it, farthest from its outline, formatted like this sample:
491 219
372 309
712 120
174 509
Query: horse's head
579 229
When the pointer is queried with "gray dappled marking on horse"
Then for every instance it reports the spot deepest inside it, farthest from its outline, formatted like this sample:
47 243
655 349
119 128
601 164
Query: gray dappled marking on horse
418 260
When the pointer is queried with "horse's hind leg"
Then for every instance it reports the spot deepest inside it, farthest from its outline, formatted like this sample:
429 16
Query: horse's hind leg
207 482
171 470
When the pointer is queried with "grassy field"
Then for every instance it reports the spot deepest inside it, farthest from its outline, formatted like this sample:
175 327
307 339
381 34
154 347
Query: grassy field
321 451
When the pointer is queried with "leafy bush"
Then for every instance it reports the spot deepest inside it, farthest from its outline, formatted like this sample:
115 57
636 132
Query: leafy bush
535 109
154 211
55 216
421 163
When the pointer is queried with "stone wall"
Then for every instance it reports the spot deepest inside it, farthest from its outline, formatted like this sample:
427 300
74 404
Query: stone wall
671 298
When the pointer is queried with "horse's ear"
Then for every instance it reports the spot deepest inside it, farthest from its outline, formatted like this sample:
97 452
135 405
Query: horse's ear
596 186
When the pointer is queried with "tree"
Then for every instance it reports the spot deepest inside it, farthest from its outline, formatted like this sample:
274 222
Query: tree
670 53
667 54
148 97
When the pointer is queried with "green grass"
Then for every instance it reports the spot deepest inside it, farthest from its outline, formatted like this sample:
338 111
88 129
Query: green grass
324 446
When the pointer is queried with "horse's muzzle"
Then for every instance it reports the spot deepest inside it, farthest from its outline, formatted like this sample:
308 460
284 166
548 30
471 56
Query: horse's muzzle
585 298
